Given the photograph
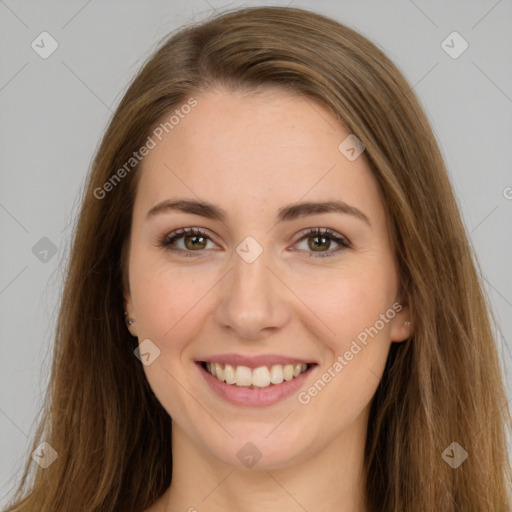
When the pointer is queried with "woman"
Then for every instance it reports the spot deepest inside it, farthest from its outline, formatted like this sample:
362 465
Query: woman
266 306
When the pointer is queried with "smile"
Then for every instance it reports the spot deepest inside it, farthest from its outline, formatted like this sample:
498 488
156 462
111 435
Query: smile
261 377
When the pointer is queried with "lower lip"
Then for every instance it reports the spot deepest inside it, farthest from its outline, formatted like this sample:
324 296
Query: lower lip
252 397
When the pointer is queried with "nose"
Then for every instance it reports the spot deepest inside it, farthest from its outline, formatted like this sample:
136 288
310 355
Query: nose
252 299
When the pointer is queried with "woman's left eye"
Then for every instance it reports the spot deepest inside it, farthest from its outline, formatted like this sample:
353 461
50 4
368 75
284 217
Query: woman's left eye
321 238
195 240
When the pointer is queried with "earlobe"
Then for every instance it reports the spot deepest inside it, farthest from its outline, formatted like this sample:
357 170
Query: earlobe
128 318
130 323
401 325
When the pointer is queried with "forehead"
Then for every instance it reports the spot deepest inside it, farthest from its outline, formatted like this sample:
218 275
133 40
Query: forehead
255 148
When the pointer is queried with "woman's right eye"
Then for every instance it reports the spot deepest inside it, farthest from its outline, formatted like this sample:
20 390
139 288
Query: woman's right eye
193 240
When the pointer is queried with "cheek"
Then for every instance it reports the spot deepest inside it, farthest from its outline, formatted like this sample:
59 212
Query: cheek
169 313
348 302
357 308
166 299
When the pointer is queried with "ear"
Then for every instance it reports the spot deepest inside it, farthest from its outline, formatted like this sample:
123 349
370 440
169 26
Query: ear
401 325
129 314
129 307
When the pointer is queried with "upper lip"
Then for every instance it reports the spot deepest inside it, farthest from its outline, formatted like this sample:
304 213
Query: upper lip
254 361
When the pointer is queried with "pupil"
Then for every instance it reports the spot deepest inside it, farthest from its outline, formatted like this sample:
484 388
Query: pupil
195 238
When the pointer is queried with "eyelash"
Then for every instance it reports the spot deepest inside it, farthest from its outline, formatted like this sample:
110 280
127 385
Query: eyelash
343 242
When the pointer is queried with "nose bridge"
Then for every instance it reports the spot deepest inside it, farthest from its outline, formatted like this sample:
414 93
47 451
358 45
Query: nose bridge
250 273
251 279
252 298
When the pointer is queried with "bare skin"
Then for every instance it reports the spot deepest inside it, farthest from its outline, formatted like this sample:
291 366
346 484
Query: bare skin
304 296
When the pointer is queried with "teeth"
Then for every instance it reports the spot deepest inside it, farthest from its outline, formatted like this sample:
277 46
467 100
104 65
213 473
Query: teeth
218 371
276 374
260 377
229 374
288 372
243 376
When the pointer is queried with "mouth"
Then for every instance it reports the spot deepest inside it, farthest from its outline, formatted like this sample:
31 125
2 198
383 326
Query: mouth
261 377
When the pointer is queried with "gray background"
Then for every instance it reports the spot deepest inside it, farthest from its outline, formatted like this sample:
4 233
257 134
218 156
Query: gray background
53 113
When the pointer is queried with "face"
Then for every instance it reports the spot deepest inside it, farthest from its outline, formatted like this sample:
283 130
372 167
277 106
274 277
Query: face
242 273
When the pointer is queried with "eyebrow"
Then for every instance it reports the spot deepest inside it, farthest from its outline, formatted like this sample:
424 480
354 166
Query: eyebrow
286 213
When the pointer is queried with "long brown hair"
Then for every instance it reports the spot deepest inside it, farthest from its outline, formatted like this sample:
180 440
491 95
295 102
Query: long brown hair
441 386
